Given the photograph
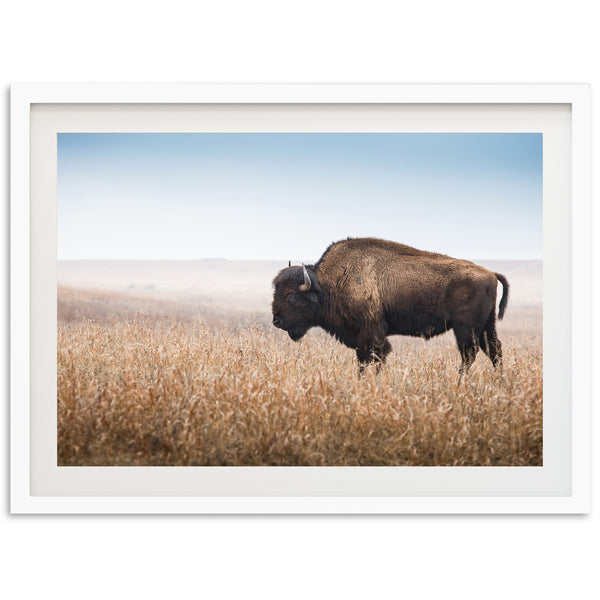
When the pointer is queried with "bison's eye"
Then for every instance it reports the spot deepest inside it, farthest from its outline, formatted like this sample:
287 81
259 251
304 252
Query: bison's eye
291 299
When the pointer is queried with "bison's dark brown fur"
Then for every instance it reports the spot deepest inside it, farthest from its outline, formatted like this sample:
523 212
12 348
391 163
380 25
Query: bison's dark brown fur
362 290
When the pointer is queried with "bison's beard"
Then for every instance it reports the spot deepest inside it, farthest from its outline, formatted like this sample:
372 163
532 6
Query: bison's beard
297 333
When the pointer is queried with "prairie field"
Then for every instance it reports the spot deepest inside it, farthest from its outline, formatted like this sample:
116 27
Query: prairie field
152 374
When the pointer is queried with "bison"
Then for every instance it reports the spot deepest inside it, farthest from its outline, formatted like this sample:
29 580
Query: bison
364 289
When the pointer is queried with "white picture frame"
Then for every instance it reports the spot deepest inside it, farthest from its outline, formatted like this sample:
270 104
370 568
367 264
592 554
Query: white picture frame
44 109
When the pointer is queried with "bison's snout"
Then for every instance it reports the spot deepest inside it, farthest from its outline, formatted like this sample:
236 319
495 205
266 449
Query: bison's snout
277 322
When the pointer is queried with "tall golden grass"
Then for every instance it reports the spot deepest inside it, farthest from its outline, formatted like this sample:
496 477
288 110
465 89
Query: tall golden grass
198 388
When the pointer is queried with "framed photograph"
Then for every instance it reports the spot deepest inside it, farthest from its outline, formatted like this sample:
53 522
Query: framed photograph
300 298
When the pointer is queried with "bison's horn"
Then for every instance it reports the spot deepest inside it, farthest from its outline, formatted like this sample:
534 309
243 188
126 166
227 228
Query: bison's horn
289 263
306 285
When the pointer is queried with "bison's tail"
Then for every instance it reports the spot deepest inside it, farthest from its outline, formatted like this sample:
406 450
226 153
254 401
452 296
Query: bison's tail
504 299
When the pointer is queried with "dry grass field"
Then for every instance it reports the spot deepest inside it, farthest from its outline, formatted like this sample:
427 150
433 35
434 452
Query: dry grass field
151 379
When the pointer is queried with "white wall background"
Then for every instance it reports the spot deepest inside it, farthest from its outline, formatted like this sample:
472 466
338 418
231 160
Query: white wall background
517 41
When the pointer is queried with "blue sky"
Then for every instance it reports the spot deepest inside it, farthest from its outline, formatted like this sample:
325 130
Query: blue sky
287 196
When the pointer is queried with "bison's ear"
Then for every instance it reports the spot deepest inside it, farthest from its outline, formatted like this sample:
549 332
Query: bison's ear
312 296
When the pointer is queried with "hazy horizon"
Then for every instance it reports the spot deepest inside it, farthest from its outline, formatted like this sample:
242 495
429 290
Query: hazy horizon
277 196
269 260
239 284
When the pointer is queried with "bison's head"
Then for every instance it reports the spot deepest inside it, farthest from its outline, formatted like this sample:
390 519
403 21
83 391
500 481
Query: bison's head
296 300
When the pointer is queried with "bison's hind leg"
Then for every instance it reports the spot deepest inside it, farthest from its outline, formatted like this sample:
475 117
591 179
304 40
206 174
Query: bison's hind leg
490 343
468 346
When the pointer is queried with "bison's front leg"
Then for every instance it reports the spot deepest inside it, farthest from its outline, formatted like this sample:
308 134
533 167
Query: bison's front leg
373 353
364 358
